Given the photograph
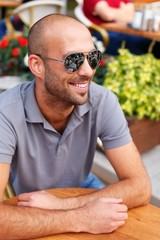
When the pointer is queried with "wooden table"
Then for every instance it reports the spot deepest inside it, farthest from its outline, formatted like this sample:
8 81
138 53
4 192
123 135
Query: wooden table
9 3
123 28
143 222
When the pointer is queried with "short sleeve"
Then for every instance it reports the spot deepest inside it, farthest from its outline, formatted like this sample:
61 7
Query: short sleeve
7 140
114 131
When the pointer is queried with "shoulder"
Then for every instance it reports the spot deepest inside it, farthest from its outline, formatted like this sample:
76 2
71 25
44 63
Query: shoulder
11 98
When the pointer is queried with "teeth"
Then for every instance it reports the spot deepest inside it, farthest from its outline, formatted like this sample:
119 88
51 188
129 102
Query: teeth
81 85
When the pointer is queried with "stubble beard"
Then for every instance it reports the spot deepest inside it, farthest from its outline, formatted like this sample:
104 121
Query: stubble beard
57 94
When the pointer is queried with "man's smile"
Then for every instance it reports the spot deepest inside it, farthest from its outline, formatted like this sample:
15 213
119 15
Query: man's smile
81 86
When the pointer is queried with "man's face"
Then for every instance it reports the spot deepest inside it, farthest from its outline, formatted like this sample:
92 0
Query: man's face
69 88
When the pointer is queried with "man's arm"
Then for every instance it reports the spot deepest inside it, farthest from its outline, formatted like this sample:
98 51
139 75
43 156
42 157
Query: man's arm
133 185
107 13
20 222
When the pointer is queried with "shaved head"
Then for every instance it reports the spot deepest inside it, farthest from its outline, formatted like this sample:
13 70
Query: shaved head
53 38
52 30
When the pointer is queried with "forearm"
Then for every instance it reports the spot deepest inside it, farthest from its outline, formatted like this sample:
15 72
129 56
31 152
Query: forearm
99 216
107 13
132 192
27 223
117 15
113 14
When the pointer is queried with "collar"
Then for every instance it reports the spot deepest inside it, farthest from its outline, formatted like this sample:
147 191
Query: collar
33 113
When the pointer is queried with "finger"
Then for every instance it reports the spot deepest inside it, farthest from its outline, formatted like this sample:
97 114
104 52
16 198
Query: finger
120 223
122 208
24 196
30 195
24 204
119 209
122 216
116 225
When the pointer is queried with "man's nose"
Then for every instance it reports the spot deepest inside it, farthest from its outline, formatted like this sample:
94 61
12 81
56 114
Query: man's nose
85 69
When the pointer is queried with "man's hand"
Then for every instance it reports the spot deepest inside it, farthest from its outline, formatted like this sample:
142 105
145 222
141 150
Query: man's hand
42 199
103 215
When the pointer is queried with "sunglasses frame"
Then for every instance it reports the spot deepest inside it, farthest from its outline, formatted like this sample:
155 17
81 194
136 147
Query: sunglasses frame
71 70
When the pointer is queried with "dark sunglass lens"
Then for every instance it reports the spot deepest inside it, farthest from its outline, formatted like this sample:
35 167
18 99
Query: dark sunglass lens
73 61
94 58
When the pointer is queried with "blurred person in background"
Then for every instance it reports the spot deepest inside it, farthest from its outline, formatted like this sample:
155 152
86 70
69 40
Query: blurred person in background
104 11
15 21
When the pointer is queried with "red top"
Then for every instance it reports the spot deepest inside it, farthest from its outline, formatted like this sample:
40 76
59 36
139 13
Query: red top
89 5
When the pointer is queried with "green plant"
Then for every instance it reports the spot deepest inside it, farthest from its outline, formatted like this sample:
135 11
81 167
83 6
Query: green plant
136 82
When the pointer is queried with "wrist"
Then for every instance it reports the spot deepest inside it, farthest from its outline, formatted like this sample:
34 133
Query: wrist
72 203
73 220
80 223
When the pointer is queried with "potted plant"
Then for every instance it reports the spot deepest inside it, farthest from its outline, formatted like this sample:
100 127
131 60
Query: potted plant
135 79
12 53
13 50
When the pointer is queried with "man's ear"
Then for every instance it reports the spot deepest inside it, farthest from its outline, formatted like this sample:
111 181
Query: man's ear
36 65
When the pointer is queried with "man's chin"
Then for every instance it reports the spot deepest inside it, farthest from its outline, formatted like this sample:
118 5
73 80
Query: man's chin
82 101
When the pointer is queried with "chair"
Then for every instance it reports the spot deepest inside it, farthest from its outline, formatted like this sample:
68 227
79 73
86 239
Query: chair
9 191
78 12
64 7
32 11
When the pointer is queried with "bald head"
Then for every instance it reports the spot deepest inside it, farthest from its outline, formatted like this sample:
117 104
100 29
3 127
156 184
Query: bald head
52 30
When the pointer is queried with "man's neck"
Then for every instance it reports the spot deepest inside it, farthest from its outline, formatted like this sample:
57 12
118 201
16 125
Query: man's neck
58 118
57 114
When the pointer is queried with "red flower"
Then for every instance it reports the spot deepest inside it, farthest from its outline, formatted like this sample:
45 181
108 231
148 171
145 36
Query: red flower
10 64
15 52
22 41
102 63
4 43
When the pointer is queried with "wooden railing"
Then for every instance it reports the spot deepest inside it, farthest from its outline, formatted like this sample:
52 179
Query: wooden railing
145 1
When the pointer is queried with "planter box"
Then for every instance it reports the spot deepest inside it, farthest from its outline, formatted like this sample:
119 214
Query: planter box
145 133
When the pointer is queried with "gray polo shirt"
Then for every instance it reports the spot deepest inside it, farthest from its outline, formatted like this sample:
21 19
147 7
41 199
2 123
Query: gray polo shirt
42 158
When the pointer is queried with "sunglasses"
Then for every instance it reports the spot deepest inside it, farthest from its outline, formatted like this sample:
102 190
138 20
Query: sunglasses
73 61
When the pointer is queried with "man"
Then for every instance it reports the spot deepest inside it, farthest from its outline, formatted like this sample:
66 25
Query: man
49 128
